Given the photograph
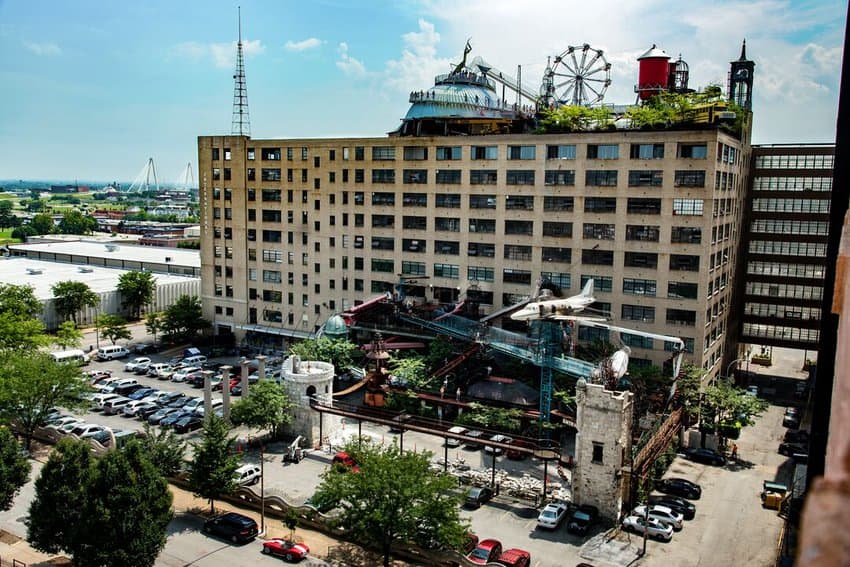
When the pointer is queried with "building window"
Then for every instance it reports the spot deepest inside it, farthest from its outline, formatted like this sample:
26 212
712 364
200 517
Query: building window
559 255
480 274
601 178
445 153
686 235
484 152
560 177
482 201
598 449
516 252
448 201
603 151
639 287
641 260
415 176
271 174
688 207
510 275
689 178
386 199
648 178
643 233
598 231
600 205
414 223
415 153
682 290
561 151
693 151
683 262
519 227
382 243
558 229
448 247
638 313
447 224
383 221
359 176
409 268
383 176
415 200
446 271
558 204
448 176
270 154
519 177
597 257
481 249
483 177
519 203
522 152
382 265
383 153
681 317
647 151
638 206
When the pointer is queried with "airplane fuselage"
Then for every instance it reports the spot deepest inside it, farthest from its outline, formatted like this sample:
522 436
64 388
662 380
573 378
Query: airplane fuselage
548 309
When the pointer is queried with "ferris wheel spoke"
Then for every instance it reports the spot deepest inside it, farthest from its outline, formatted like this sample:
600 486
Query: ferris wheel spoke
583 59
594 91
566 96
576 66
569 81
595 71
592 61
592 80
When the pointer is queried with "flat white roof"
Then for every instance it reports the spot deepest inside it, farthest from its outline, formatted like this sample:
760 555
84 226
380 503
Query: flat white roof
133 253
21 271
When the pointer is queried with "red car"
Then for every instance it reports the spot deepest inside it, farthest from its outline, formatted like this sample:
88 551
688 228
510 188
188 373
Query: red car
486 552
515 558
343 461
290 551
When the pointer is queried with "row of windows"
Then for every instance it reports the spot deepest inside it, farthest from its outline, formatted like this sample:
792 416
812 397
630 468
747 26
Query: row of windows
816 206
781 333
783 311
784 248
786 270
761 183
726 153
785 290
775 226
793 161
513 152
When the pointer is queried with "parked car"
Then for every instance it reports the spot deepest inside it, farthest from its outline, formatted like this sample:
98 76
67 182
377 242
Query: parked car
498 438
144 412
796 436
172 397
96 376
679 505
61 422
146 348
172 418
247 474
790 449
133 408
290 551
652 527
342 462
161 414
791 419
111 352
127 390
235 527
705 456
515 558
752 391
141 393
85 430
661 513
679 487
582 518
193 404
485 552
457 430
473 444
115 405
189 423
513 451
552 515
477 496
97 400
217 406
158 396
183 373
136 362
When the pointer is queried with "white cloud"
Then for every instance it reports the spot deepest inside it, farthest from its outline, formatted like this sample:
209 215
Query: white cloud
46 48
419 63
303 45
222 55
348 64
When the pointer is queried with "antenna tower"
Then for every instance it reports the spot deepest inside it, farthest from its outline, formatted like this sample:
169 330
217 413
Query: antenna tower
241 120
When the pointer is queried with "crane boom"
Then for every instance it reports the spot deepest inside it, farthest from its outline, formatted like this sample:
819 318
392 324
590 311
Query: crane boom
503 78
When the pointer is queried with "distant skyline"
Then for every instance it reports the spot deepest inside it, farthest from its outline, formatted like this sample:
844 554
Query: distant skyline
94 89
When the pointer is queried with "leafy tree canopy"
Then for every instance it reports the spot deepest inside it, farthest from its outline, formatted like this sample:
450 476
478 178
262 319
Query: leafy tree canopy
732 405
183 318
164 449
394 498
214 463
75 222
411 371
339 352
268 407
32 383
137 290
154 322
71 296
19 299
68 335
42 223
492 417
14 468
113 327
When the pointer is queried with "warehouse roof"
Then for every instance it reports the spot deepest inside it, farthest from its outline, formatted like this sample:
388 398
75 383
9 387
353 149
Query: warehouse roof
144 254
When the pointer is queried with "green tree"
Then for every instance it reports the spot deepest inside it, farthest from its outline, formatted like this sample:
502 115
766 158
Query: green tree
339 352
411 371
42 223
214 463
395 498
23 232
732 407
268 407
58 509
113 327
31 384
164 448
19 326
19 299
75 222
7 215
36 205
137 290
491 417
183 319
68 335
71 296
108 511
14 468
440 350
153 323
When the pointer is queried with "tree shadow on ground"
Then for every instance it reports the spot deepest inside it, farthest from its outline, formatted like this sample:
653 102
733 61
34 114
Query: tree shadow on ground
352 555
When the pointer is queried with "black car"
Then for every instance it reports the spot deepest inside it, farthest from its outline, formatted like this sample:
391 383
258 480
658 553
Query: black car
235 527
146 348
144 413
582 518
679 487
476 497
789 449
472 443
796 436
678 505
705 456
127 389
189 423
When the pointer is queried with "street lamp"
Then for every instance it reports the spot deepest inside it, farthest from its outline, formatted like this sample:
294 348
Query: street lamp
96 329
737 360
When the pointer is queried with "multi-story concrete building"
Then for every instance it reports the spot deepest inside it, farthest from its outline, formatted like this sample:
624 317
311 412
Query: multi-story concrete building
297 230
785 242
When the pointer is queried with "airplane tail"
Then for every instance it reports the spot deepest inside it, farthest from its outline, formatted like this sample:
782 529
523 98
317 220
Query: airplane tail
587 291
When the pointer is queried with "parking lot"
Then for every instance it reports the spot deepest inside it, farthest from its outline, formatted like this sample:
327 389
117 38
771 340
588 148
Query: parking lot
729 519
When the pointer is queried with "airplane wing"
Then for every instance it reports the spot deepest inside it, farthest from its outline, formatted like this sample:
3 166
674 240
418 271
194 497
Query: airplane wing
578 318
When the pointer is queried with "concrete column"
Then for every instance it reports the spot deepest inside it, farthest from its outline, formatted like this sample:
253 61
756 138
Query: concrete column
207 392
225 391
261 359
245 372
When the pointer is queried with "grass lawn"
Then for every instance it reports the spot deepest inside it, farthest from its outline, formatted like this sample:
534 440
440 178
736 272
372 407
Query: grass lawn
6 237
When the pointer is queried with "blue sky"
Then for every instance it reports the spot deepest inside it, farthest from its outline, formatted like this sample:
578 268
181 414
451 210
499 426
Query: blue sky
92 89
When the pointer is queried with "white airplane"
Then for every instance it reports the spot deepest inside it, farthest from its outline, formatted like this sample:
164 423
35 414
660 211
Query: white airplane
557 308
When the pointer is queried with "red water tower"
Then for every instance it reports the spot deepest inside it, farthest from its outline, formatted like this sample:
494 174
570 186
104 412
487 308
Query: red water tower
653 73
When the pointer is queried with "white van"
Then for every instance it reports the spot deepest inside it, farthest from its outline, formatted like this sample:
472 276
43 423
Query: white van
112 352
74 356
